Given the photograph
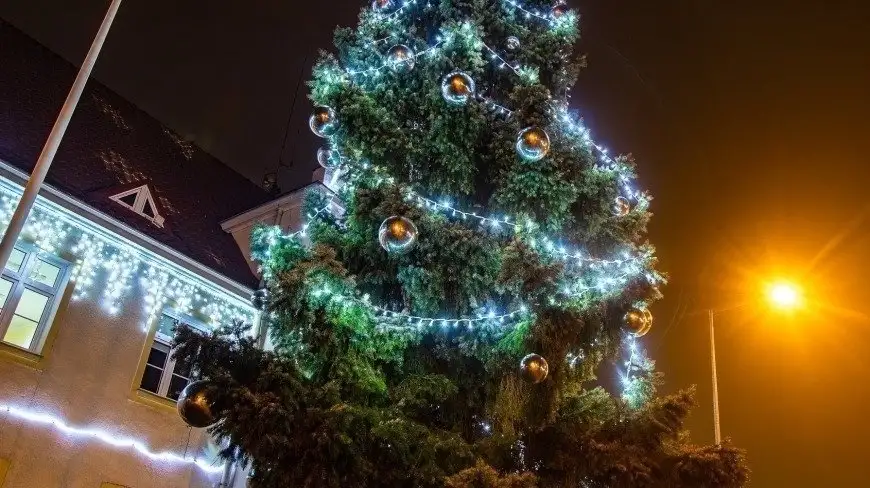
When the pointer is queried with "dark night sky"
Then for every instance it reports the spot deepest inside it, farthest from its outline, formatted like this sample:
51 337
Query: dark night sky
748 121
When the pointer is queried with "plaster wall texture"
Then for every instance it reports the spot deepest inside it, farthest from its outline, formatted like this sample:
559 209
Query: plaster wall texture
88 378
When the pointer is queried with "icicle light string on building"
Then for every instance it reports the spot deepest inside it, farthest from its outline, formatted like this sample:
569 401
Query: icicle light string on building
96 250
107 438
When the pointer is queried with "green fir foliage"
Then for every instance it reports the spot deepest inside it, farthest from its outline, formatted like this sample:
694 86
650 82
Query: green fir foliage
351 392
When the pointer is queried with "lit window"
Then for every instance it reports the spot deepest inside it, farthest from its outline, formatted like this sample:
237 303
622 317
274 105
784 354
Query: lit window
164 375
30 289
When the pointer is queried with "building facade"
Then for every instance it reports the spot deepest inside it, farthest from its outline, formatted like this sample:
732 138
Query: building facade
135 230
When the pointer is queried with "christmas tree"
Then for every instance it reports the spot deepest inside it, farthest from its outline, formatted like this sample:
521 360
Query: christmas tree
440 320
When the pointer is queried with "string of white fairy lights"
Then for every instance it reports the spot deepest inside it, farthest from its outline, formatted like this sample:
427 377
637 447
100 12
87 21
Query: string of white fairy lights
515 225
385 12
495 56
604 162
606 283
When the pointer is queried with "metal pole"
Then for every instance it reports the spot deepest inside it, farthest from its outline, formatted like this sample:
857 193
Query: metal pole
716 430
22 210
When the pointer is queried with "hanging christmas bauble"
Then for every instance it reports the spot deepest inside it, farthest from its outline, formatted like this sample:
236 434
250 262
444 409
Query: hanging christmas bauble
323 121
558 10
637 321
649 322
457 88
327 158
194 405
534 368
513 43
382 5
401 58
533 144
621 207
397 234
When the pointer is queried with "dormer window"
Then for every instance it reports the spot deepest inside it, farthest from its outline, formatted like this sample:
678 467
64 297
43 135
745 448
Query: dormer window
140 201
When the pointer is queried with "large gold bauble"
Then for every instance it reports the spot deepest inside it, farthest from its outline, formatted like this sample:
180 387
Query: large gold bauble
194 405
534 368
323 122
533 144
397 234
457 88
638 321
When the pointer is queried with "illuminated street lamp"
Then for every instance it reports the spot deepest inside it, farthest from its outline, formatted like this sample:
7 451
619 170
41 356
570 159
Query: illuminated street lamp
782 295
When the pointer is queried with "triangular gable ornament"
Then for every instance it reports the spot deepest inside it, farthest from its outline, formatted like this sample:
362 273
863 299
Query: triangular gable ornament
141 201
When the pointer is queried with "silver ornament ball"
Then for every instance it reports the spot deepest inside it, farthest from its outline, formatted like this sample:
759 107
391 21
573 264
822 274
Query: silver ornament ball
533 144
397 234
621 206
457 88
323 121
327 158
513 43
195 406
401 58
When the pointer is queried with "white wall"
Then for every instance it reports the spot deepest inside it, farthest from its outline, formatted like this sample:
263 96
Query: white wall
90 369
87 380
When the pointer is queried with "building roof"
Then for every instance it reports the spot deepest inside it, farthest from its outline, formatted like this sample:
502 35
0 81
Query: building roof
112 147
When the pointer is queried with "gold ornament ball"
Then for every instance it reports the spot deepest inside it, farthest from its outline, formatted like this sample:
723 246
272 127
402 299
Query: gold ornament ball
194 405
621 207
534 368
457 88
397 234
533 144
323 121
638 321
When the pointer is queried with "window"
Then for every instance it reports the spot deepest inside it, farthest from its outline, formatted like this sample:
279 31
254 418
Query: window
163 375
30 289
140 201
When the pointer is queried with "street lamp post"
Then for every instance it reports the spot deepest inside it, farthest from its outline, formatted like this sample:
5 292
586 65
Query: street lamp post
40 170
716 429
782 295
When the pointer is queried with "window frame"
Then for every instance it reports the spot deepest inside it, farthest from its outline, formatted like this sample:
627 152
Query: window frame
163 343
22 281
